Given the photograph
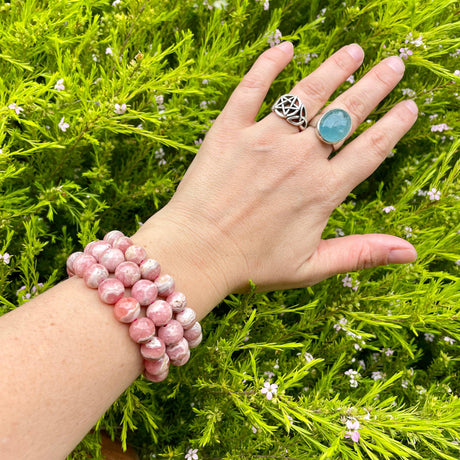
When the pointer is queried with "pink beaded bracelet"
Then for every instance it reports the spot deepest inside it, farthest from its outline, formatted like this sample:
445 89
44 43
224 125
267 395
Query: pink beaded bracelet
128 280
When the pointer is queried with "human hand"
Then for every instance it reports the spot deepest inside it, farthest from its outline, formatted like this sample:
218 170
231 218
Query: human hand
258 195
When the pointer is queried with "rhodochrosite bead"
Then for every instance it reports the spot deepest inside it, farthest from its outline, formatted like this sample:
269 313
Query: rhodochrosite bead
81 263
150 269
177 301
182 361
111 258
98 248
195 342
128 273
94 275
127 309
193 332
70 261
157 366
153 349
178 350
165 285
186 317
87 248
135 254
142 330
159 312
111 290
171 332
145 292
122 243
156 377
112 236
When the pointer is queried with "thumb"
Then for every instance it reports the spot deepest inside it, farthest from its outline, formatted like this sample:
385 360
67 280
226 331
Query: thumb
355 252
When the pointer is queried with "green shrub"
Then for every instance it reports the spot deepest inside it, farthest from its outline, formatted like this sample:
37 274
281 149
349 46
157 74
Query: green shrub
379 347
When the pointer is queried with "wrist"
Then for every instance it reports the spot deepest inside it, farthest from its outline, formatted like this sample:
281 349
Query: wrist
188 256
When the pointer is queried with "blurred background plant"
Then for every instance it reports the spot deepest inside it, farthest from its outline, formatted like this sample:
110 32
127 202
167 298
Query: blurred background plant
102 107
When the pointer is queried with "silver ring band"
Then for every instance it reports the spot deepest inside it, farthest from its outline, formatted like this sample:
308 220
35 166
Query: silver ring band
291 109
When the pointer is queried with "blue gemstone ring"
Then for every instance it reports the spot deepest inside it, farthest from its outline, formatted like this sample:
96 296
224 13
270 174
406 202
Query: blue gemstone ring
291 109
333 126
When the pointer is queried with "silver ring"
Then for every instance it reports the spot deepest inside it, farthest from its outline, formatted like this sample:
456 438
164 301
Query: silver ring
290 108
332 126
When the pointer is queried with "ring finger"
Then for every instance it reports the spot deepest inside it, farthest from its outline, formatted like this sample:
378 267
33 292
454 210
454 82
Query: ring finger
363 97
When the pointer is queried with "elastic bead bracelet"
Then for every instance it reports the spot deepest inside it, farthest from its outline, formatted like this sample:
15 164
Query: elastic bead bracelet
166 329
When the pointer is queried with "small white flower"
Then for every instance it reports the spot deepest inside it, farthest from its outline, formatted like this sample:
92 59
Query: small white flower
434 194
405 383
429 337
351 79
16 108
220 4
388 209
192 454
63 125
5 257
109 51
120 109
308 357
59 86
254 429
449 340
269 389
116 3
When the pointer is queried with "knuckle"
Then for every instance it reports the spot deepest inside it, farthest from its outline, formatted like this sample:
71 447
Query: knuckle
251 81
315 89
356 107
379 143
384 76
342 60
366 257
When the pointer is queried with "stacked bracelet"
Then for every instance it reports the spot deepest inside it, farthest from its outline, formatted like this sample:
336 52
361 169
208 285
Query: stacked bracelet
128 280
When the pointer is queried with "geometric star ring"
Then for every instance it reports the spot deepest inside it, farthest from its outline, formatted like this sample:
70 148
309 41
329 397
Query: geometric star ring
292 110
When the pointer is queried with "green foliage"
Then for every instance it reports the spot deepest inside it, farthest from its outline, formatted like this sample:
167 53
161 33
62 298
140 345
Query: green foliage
174 64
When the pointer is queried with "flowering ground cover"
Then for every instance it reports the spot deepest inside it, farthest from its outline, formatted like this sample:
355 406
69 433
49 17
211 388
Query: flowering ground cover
102 107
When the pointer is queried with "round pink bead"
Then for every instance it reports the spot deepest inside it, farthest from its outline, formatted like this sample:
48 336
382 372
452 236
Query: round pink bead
128 273
98 248
171 332
144 291
177 301
111 258
195 342
122 243
71 259
127 309
136 254
157 366
156 377
88 247
159 312
153 349
150 269
111 290
178 350
142 330
193 332
81 263
186 317
112 236
94 275
165 285
181 362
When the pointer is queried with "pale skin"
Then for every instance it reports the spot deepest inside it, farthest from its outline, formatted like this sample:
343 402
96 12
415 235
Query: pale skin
252 206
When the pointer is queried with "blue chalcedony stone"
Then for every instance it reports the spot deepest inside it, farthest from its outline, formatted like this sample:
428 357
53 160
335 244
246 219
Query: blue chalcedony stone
334 125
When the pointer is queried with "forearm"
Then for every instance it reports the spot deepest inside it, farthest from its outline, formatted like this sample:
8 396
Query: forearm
66 359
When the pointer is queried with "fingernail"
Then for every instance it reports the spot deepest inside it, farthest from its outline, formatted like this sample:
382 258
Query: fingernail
287 47
396 64
412 106
402 255
356 52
